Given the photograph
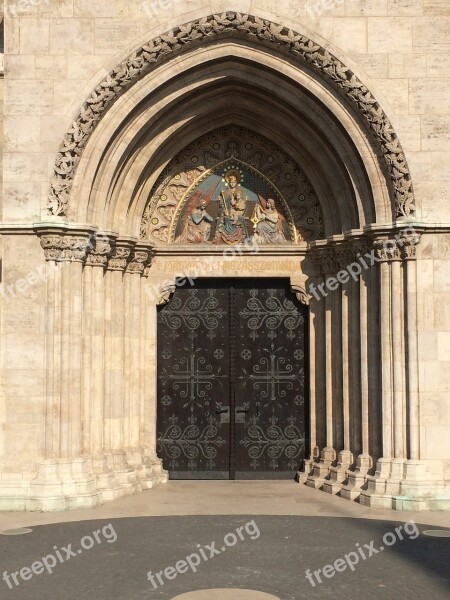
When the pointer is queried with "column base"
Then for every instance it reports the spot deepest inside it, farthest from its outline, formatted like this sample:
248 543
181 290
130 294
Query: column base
106 480
159 474
124 473
385 484
321 469
63 485
338 474
356 478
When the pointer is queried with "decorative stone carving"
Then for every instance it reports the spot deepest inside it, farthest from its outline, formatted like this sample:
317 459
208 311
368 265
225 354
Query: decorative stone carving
138 262
63 247
198 173
328 260
98 257
142 60
166 292
387 250
119 259
299 287
409 246
345 255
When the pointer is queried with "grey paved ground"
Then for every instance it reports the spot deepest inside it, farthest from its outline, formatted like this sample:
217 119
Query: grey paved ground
274 563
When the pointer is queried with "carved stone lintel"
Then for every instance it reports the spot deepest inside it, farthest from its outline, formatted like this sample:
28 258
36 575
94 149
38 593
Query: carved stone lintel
261 31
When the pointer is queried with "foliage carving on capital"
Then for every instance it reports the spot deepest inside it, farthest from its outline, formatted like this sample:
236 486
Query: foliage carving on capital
246 26
138 262
62 247
119 258
99 255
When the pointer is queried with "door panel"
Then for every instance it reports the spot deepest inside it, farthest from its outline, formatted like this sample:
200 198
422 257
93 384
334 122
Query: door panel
231 381
270 382
193 383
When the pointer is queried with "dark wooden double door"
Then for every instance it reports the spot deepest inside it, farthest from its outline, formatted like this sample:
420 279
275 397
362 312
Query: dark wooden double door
231 381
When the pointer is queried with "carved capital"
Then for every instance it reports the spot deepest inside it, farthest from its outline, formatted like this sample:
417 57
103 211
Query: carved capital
409 246
387 250
65 246
119 258
328 261
98 257
345 255
139 261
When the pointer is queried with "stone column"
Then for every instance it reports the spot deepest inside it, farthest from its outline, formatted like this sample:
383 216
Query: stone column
409 253
398 368
114 374
345 458
134 383
381 485
321 469
65 479
155 291
94 359
357 476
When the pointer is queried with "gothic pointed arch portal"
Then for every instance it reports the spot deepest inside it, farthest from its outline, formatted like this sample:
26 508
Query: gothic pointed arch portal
224 130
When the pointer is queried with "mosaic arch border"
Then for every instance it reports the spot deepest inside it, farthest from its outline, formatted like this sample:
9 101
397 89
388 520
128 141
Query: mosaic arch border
244 26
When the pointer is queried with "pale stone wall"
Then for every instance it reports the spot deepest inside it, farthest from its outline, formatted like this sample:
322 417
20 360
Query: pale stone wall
434 347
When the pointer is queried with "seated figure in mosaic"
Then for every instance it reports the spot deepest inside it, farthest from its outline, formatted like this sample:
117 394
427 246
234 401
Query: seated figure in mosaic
268 225
231 226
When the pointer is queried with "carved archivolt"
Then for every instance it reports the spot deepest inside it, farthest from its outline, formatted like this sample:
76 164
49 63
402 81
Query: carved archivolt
213 153
238 25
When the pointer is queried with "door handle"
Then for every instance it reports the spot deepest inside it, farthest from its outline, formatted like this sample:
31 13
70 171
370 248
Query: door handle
224 412
241 411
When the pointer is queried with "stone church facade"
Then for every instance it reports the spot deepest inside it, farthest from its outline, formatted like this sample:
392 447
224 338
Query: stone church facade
150 145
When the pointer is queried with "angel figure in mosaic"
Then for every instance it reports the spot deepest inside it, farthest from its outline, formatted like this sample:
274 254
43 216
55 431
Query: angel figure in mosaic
268 224
198 226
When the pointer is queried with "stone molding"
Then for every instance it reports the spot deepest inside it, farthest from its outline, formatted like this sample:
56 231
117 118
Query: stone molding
213 27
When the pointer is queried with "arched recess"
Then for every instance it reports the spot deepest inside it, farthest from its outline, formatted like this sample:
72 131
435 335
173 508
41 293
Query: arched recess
231 70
